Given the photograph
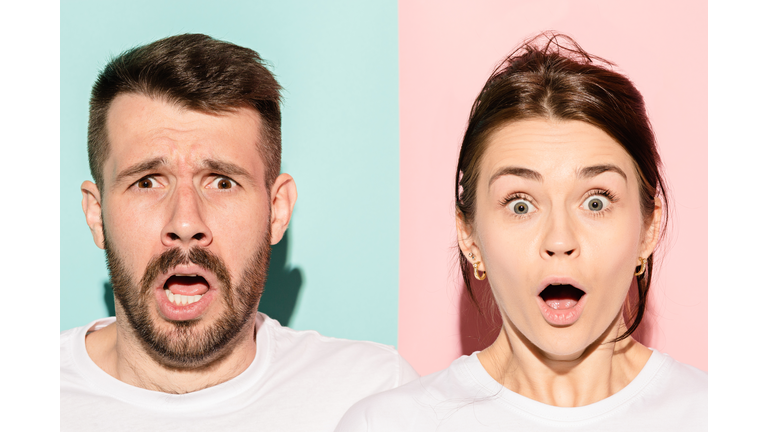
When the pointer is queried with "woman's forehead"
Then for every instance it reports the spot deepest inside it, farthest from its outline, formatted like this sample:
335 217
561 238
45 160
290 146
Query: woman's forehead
551 146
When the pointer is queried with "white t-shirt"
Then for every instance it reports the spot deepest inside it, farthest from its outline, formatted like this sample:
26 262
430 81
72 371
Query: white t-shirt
665 396
298 381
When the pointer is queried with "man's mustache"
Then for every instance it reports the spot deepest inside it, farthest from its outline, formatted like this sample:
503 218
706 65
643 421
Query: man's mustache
176 256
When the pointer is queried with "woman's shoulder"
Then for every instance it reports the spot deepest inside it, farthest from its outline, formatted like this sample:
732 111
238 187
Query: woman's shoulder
676 382
419 403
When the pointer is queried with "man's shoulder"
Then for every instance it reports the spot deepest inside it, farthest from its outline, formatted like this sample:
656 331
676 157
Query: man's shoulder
312 340
317 353
73 340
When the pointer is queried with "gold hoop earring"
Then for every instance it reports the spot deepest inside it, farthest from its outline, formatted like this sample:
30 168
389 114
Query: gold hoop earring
642 266
477 275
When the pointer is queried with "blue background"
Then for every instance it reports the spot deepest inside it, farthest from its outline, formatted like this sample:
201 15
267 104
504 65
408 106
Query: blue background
337 270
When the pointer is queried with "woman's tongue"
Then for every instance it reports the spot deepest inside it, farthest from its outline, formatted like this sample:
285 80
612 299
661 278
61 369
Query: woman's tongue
187 285
561 303
561 296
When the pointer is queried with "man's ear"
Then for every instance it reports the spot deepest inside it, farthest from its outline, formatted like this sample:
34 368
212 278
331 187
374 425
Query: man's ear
651 236
283 197
92 210
466 240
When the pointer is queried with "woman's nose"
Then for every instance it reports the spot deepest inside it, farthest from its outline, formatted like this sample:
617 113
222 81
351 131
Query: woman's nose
559 237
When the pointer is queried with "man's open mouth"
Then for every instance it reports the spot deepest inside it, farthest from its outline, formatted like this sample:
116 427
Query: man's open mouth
185 289
559 297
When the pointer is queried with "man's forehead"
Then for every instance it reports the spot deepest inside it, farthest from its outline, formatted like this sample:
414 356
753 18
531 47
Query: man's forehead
130 109
141 128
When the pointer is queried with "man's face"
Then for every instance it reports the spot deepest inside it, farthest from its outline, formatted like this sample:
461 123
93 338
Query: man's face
186 226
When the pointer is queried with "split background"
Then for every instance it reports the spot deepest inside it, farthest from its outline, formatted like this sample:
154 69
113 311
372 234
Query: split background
377 95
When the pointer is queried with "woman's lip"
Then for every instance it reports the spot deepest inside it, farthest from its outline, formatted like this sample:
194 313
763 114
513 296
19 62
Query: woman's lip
562 317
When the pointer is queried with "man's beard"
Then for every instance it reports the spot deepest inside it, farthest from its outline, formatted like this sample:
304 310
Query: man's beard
188 344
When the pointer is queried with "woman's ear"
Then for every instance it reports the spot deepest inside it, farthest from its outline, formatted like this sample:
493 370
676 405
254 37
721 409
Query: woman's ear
465 236
652 231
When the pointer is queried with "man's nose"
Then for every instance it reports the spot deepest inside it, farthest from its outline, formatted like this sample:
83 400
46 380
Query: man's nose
186 225
559 236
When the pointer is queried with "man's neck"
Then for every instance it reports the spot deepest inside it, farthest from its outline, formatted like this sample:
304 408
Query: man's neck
117 351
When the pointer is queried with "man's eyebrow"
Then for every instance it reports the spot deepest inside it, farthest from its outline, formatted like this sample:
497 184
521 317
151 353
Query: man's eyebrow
516 171
226 168
595 170
139 168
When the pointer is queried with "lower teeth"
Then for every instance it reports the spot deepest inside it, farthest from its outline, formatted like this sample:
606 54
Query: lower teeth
180 299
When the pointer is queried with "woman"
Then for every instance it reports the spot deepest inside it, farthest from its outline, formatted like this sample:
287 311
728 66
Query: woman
560 203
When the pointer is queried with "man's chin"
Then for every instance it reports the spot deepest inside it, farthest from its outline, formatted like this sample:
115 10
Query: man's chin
191 344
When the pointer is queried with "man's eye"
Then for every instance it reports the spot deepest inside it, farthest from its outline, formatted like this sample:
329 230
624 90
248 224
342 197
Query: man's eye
146 183
223 183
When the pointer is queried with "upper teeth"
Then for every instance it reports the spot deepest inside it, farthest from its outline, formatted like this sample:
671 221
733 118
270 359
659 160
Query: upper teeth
186 275
181 299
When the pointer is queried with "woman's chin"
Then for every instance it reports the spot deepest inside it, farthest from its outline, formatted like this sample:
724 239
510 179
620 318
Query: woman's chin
566 346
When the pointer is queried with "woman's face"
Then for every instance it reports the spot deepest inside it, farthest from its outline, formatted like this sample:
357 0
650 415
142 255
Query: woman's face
558 228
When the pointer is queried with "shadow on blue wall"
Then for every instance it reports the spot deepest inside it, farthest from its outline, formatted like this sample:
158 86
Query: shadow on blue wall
280 292
283 284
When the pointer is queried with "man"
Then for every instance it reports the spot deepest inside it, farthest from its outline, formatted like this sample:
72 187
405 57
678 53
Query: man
184 149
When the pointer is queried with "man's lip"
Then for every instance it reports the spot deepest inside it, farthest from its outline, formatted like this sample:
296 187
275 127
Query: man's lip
558 280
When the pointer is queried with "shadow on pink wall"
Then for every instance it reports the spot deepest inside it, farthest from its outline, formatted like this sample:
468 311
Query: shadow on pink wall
480 325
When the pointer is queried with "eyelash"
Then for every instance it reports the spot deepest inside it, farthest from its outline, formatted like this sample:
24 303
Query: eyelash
515 196
150 177
602 192
223 177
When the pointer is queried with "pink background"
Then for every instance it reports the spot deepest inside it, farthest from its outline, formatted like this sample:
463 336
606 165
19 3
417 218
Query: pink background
447 51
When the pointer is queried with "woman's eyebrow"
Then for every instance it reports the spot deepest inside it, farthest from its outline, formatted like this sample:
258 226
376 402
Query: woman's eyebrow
516 171
595 170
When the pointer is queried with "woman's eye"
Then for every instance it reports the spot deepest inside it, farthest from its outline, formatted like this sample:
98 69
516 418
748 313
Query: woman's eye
595 203
146 183
223 183
521 207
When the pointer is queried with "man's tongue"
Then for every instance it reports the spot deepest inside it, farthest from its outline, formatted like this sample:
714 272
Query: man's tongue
187 285
561 296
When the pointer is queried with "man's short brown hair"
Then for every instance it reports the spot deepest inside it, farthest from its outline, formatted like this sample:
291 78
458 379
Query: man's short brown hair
198 73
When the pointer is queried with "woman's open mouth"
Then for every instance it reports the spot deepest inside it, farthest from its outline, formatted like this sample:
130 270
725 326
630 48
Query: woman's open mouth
561 304
561 296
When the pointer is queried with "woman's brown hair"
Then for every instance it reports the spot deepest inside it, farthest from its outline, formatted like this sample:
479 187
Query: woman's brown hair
551 77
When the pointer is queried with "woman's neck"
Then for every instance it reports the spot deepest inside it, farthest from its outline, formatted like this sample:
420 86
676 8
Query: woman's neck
603 368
